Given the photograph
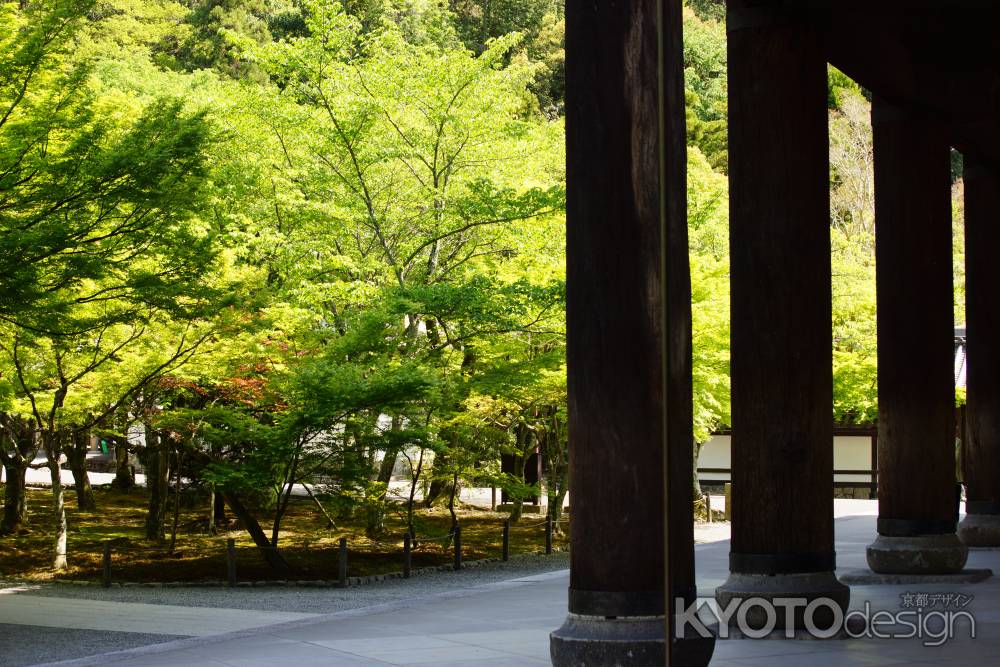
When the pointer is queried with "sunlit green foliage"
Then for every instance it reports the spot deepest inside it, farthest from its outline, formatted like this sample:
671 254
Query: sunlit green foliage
314 241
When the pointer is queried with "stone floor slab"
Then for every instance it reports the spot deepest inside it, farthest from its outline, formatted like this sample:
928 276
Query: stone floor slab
508 624
865 577
83 614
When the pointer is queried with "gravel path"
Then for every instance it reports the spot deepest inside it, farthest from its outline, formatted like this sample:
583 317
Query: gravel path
309 600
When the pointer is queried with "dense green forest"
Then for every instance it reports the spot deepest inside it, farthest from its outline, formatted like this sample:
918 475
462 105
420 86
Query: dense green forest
293 240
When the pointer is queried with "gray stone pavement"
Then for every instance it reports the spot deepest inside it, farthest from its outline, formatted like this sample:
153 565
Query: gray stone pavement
503 623
853 535
507 623
156 619
23 645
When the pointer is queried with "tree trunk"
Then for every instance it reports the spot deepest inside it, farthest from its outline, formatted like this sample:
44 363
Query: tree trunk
526 444
436 489
211 511
696 492
177 504
268 552
451 505
516 508
375 509
157 476
438 485
555 491
16 460
281 507
375 515
552 447
15 511
451 500
124 479
557 513
391 454
413 492
218 509
388 464
78 466
557 496
329 519
53 450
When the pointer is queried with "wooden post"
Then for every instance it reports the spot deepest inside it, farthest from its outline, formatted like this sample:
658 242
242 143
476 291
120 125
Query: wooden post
548 534
729 501
708 507
916 334
615 361
231 562
406 556
981 447
962 425
106 565
505 553
873 492
629 370
781 340
342 563
493 499
458 547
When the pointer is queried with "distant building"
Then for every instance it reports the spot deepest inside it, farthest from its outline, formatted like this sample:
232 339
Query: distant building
854 447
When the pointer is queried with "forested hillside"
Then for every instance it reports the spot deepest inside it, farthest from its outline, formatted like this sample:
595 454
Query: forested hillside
258 243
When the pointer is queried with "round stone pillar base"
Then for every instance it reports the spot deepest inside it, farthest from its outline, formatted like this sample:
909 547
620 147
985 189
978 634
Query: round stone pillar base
783 592
596 641
920 554
980 530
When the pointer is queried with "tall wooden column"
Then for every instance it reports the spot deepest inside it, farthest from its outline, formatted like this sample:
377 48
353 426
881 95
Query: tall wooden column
916 385
981 526
687 647
782 442
628 338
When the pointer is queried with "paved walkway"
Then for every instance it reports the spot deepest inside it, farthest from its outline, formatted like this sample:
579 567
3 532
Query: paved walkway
508 623
505 623
154 619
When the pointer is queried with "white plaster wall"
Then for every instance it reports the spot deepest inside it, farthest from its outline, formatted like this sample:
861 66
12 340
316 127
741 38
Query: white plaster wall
852 452
849 453
715 454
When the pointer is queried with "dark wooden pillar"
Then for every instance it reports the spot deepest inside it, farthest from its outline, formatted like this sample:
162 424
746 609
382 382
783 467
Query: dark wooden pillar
916 384
614 312
981 526
782 442
621 338
687 647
